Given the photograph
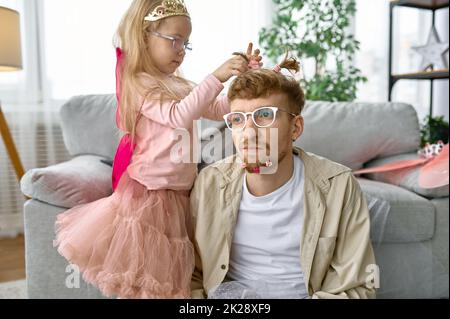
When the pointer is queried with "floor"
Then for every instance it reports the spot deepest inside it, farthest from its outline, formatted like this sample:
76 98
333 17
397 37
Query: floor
12 259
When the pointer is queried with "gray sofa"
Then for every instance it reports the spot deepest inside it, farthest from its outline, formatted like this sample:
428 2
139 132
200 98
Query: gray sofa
410 236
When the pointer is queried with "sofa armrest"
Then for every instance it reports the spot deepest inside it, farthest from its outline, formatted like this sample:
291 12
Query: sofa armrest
47 271
82 180
406 178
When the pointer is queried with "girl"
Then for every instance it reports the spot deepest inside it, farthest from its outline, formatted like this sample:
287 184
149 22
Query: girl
136 243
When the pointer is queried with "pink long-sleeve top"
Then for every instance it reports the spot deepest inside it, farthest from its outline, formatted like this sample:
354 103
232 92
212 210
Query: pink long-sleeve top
153 164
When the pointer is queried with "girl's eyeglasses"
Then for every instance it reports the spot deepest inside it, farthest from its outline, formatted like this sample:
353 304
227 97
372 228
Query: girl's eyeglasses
177 43
263 117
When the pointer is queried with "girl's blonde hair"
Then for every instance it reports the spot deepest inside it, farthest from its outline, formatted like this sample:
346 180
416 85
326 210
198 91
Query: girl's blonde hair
139 77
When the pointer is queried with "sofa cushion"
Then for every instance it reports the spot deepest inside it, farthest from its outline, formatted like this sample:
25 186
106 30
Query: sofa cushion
406 178
355 133
82 180
88 119
410 218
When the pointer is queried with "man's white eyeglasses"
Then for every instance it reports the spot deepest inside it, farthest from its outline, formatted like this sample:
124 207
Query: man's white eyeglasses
263 117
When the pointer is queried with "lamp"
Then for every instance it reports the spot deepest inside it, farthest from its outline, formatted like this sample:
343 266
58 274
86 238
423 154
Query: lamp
10 60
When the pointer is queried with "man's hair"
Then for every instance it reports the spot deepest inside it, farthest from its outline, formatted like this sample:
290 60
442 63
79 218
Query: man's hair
264 82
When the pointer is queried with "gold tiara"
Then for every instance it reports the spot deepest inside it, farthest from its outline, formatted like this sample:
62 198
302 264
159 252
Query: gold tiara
168 8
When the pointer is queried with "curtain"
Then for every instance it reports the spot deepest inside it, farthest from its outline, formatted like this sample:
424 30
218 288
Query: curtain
37 135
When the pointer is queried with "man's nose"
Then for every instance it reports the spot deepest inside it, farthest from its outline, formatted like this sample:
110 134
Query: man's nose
250 129
250 122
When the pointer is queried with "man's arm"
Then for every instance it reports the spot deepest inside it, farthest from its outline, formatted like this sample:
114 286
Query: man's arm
350 272
197 290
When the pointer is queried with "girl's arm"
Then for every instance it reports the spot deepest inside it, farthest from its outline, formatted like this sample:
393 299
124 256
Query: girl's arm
218 109
182 114
221 105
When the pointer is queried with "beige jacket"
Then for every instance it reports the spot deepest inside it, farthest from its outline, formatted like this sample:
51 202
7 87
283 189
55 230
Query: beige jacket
336 253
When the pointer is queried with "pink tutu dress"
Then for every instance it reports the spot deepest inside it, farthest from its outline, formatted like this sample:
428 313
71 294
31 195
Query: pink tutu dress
137 242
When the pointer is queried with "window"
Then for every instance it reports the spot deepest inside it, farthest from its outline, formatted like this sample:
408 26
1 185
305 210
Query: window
221 28
78 46
79 55
68 46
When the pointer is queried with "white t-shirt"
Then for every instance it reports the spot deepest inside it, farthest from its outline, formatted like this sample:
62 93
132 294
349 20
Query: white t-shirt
267 238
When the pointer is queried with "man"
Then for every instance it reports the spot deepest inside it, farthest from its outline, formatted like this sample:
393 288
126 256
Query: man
303 229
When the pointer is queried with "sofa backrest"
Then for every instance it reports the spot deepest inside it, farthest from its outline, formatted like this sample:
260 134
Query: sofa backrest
355 133
348 133
89 125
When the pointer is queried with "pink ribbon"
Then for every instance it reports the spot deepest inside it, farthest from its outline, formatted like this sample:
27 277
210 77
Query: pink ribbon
434 172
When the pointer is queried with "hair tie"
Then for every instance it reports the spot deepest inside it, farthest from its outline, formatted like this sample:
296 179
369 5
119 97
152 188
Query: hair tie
277 68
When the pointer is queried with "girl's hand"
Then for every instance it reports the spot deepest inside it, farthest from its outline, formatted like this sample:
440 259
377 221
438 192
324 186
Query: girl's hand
233 67
254 58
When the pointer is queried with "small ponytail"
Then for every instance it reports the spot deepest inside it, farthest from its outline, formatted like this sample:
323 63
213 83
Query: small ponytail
289 63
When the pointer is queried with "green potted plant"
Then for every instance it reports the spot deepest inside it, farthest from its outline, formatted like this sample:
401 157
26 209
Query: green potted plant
434 129
317 29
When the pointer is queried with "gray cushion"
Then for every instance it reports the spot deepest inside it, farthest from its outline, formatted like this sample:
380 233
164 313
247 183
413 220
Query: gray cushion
89 125
355 133
82 180
410 218
408 179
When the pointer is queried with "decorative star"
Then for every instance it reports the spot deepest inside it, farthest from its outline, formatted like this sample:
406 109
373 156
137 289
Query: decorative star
433 52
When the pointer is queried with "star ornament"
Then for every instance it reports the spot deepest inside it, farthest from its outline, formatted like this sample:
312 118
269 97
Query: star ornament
433 52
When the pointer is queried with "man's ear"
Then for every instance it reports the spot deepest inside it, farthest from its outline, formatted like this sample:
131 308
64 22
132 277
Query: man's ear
297 130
